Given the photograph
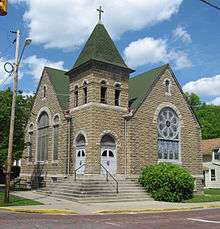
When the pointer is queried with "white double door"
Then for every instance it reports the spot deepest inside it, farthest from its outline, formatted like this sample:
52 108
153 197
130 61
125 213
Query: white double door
108 160
80 160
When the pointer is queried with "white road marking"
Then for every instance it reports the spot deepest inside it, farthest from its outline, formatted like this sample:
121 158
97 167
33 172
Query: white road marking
113 224
204 221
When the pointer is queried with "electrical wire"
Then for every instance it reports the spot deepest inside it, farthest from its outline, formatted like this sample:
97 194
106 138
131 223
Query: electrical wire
210 4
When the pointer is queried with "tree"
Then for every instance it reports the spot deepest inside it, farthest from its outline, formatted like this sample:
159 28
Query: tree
208 116
193 99
23 107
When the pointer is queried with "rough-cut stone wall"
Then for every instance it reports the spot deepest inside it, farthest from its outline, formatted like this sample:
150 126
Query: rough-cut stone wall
142 130
51 105
94 119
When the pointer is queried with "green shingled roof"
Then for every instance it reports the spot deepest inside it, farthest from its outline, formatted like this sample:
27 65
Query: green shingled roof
60 82
100 47
140 85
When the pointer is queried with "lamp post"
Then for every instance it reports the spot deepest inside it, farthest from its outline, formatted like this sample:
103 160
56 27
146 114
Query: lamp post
15 69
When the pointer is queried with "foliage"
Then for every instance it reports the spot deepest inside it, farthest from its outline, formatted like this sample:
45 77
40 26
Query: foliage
23 107
17 201
208 116
167 182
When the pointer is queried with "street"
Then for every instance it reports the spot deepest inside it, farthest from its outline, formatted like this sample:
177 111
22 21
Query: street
195 219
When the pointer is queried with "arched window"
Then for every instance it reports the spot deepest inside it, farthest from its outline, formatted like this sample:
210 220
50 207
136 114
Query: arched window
117 94
45 91
103 92
76 98
167 86
85 90
42 144
168 128
56 138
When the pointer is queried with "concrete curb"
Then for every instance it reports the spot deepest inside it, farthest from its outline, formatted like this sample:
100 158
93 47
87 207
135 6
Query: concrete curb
41 211
155 210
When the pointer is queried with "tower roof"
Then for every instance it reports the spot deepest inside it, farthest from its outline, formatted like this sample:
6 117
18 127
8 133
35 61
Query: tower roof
100 47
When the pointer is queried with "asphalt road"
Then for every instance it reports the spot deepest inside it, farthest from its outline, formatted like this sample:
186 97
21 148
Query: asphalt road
209 218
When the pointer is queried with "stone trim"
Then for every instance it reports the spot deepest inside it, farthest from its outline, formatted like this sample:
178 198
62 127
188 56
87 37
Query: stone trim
99 105
171 105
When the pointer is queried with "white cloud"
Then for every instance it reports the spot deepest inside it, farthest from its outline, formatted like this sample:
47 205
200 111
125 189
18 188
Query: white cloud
209 86
35 65
215 101
152 51
27 93
181 33
67 23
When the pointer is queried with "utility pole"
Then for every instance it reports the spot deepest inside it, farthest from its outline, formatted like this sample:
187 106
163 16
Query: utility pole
12 121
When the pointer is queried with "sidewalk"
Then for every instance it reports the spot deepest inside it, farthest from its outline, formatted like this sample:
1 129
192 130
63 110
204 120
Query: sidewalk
67 207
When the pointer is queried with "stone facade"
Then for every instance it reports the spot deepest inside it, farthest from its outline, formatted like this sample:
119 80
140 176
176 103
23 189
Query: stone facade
133 130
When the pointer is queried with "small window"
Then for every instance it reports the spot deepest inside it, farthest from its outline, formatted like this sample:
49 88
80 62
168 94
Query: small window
117 94
56 119
85 90
103 92
76 99
104 154
79 154
167 86
44 92
83 153
213 175
217 154
111 154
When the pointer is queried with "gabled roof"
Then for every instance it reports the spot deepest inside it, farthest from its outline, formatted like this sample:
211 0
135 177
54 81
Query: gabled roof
141 84
60 82
100 47
208 145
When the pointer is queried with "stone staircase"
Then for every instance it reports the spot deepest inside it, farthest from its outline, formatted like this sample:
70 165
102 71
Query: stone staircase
96 189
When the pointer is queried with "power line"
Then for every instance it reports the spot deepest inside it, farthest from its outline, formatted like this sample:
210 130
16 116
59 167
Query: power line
210 4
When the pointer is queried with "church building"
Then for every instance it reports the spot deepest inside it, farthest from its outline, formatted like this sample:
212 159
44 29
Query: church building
96 118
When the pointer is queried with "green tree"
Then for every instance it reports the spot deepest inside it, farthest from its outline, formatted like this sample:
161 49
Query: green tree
208 116
23 107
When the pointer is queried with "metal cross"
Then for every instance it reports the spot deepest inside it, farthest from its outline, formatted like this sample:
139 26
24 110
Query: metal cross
100 13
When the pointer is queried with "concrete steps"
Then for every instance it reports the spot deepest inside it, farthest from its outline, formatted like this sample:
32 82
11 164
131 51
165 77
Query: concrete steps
96 190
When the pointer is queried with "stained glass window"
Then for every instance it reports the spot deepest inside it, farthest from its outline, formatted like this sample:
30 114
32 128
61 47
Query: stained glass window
42 146
168 134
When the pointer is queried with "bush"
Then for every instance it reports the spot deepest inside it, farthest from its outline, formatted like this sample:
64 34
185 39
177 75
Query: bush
167 182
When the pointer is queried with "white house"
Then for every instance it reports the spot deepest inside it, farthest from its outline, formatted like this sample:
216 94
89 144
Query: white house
211 162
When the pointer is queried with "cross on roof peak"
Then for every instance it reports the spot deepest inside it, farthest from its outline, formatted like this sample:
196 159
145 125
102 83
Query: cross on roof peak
100 13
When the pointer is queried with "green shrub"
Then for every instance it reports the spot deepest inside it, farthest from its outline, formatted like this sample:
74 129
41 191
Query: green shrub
167 182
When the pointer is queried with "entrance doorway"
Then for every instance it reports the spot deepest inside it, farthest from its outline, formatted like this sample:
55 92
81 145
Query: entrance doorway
80 154
108 154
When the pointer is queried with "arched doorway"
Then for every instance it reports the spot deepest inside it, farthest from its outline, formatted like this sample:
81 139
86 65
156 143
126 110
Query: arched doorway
108 154
80 154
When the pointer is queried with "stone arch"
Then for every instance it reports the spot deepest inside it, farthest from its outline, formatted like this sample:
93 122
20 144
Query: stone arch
171 105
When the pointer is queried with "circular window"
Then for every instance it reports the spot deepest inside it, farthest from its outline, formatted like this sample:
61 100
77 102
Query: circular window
168 124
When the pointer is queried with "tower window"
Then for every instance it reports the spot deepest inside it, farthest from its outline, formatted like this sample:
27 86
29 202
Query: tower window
103 92
117 94
44 92
85 90
167 86
76 99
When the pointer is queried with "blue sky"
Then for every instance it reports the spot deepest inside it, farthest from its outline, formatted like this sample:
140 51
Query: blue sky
184 33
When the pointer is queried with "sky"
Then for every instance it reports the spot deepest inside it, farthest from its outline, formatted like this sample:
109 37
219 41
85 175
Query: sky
183 33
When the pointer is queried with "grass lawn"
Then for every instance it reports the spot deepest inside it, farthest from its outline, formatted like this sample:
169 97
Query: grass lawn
17 201
210 195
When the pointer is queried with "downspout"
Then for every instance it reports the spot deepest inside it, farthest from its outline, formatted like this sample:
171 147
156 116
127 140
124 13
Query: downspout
126 119
68 146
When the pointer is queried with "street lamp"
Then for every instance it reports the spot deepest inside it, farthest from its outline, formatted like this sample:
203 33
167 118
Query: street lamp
14 70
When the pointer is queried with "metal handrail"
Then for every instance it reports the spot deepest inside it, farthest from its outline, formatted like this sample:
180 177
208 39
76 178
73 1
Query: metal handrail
77 170
107 177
